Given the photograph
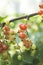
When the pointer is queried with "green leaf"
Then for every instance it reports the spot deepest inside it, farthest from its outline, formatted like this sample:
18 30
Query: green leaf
27 58
2 19
15 60
39 44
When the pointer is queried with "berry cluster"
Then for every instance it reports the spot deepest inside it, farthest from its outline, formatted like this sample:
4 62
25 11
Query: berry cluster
3 47
23 36
41 9
22 27
8 32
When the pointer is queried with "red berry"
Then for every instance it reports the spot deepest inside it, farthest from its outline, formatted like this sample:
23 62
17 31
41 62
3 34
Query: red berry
23 26
41 6
6 32
6 28
1 49
27 43
40 12
5 47
22 35
20 31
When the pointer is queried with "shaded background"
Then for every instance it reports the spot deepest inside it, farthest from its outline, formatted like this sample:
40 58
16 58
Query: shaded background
10 7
